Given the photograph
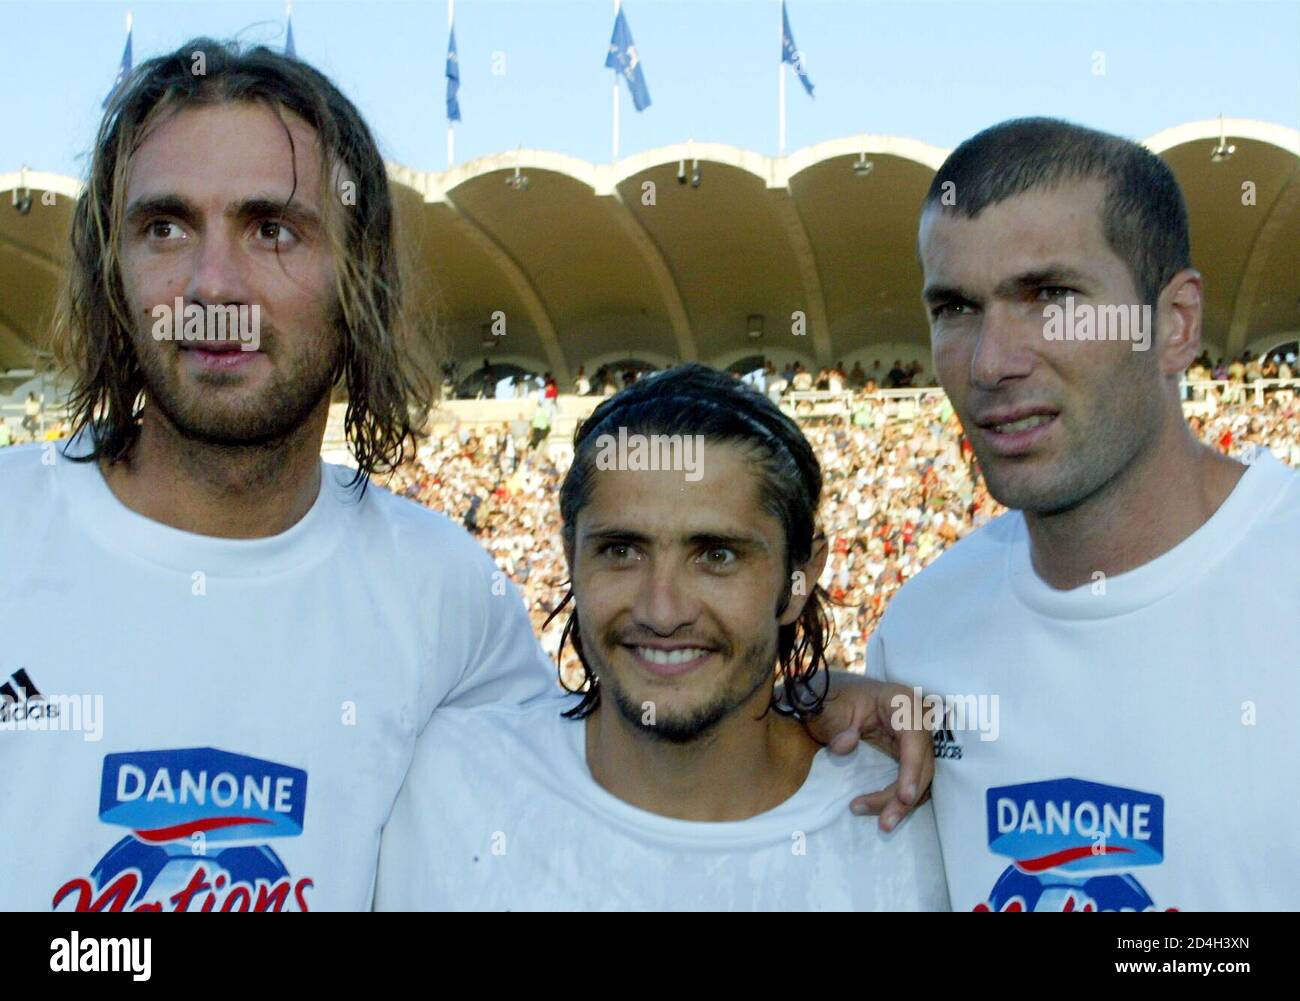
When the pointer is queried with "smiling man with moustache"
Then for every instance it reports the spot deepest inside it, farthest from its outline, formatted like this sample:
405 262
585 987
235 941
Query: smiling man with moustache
1146 740
672 781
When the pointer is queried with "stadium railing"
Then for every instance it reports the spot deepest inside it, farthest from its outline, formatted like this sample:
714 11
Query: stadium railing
900 403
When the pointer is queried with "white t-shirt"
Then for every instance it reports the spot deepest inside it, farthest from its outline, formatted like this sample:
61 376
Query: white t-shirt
1145 751
500 812
250 706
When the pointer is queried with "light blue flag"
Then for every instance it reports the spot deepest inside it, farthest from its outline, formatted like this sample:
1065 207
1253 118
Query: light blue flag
453 79
622 57
790 54
123 71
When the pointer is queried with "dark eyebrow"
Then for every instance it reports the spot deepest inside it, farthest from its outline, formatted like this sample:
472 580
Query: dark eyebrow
712 539
1051 274
263 207
610 533
159 205
944 293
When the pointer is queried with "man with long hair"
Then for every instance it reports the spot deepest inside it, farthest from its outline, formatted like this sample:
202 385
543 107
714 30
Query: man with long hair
677 777
1145 757
222 649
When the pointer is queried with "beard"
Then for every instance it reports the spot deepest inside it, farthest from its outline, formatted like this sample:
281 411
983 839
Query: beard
758 663
204 411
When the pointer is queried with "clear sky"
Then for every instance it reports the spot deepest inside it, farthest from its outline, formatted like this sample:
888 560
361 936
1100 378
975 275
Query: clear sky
532 70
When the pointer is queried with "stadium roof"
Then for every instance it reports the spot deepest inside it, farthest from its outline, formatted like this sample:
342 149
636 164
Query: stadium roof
591 263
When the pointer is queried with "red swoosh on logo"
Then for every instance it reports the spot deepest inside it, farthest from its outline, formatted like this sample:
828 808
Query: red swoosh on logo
194 826
1066 855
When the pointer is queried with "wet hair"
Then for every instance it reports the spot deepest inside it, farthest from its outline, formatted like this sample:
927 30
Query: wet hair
384 362
697 400
1144 217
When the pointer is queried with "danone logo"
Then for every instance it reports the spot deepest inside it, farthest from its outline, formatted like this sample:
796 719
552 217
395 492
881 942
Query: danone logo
1071 825
1067 840
165 795
199 820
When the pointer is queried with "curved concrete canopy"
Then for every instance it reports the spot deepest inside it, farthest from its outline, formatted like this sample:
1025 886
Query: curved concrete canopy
1245 223
587 261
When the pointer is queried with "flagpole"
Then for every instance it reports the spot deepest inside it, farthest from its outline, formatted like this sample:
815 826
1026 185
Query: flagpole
781 113
451 135
780 69
617 5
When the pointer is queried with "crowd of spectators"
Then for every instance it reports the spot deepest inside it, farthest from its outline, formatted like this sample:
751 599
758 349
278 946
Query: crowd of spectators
901 485
1244 370
489 381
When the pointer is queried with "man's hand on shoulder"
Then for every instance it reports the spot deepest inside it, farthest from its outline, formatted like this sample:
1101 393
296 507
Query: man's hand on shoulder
862 708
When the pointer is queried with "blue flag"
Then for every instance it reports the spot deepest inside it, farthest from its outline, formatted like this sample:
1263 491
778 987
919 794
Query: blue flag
453 79
623 58
289 50
790 54
123 71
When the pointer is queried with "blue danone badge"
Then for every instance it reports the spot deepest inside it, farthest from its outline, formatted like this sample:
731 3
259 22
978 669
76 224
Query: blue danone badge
1069 825
1068 840
171 795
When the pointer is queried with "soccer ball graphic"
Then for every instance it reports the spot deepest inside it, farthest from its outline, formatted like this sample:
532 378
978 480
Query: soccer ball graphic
166 869
1020 891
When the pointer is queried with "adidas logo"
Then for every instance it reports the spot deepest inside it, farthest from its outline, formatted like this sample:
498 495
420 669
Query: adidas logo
946 745
24 707
20 699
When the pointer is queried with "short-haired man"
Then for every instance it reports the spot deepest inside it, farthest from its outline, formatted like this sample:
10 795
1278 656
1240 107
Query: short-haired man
246 641
1146 757
672 782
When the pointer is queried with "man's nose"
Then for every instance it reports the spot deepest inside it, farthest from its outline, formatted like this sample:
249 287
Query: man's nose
664 601
218 276
1003 347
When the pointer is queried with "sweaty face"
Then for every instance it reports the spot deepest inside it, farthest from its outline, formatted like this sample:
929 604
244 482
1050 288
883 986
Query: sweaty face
204 223
677 585
1052 421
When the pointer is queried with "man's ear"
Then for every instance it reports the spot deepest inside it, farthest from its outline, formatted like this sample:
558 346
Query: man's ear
805 579
1180 308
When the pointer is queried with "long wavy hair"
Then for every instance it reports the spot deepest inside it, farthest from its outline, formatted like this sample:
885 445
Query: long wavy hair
389 354
695 399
